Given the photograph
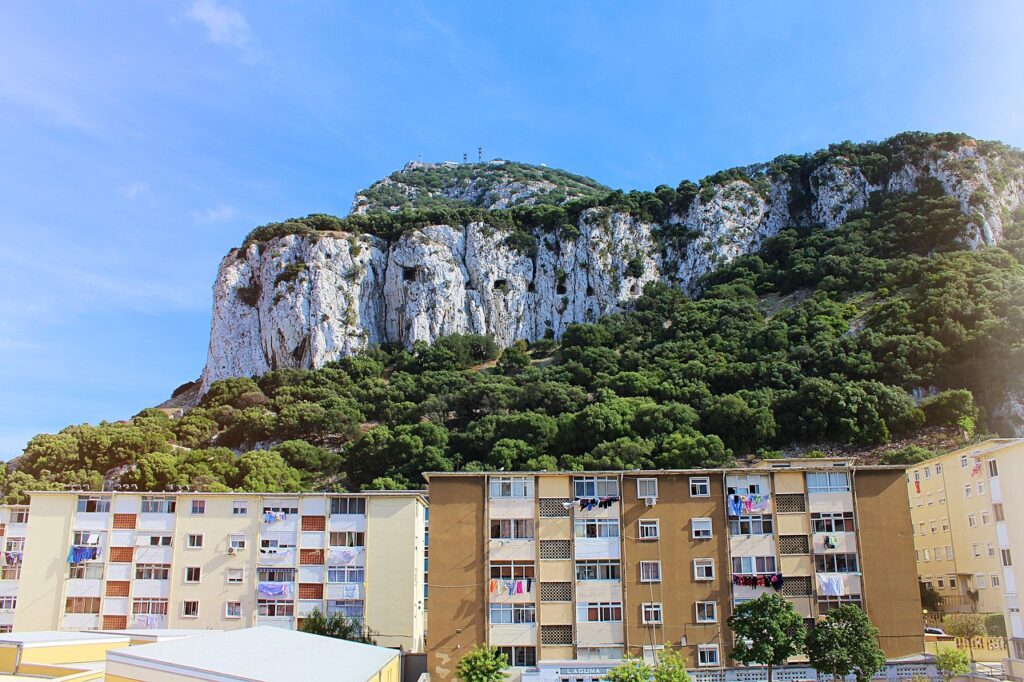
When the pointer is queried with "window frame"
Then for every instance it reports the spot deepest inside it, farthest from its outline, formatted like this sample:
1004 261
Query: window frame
191 537
703 652
652 613
704 564
197 508
227 610
196 573
603 486
643 488
647 524
184 608
652 569
698 533
703 606
696 482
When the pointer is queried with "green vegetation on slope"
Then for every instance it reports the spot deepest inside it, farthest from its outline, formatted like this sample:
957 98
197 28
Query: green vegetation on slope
673 383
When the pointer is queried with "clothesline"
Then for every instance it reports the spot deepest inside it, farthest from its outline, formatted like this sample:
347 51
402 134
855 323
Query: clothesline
79 553
588 503
746 504
520 586
773 580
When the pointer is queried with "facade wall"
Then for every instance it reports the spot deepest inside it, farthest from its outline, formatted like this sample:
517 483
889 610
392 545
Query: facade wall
457 573
892 599
224 561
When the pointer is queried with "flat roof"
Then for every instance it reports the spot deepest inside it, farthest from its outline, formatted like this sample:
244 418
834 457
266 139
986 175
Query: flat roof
260 654
761 467
59 638
421 494
159 633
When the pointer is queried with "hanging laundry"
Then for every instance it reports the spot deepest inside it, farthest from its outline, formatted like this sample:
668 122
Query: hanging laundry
830 584
272 589
529 584
492 586
567 505
735 505
830 541
758 503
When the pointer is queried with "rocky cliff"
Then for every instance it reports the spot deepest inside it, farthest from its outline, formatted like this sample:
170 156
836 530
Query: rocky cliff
301 300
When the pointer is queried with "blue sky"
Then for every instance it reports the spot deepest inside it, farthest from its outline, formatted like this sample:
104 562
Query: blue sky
141 140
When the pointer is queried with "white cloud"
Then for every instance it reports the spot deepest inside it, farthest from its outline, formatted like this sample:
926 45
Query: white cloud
224 25
134 190
215 214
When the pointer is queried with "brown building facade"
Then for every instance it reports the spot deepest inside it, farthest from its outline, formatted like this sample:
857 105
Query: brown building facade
569 572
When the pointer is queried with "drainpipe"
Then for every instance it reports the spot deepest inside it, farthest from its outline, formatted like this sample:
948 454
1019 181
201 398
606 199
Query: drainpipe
17 658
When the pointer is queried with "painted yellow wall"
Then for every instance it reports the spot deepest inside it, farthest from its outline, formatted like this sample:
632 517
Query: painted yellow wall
44 566
72 653
394 571
392 672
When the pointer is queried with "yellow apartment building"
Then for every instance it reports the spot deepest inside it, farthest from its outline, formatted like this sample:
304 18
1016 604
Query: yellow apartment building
222 561
567 573
967 503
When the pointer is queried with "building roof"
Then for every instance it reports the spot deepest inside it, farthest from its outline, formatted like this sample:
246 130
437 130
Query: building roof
158 634
420 494
786 464
44 638
260 654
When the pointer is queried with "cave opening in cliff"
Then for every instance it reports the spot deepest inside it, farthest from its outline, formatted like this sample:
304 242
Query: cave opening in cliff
561 289
590 290
531 287
409 274
501 285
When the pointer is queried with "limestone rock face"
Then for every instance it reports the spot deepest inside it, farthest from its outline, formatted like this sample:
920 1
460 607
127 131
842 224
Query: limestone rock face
302 301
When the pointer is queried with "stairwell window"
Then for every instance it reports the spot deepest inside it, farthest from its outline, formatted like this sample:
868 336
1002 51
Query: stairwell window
650 614
650 571
1005 557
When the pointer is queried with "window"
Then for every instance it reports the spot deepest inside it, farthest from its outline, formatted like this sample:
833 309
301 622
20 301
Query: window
152 571
990 548
596 528
348 505
520 656
952 582
648 529
194 540
968 489
152 504
930 500
976 549
754 484
239 508
963 461
945 525
650 571
93 504
949 553
232 609
938 469
599 612
236 541
826 604
276 546
283 508
350 608
512 529
9 602
942 497
598 569
273 608
700 486
189 609
198 507
925 556
81 605
87 538
703 569
921 528
828 482
986 518
347 538
156 540
511 570
599 653
979 581
940 581
997 511
650 613
595 486
750 525
994 580
149 606
707 612
707 655
235 575
88 571
837 522
345 574
700 528
971 521
751 565
512 614
512 486
275 575
981 487
934 527
936 553
993 468
193 574
837 563
1005 557
646 487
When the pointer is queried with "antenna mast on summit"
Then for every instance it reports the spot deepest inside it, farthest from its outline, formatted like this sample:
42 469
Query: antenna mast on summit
480 154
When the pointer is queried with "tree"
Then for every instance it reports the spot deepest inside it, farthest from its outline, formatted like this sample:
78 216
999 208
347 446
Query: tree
482 664
335 625
965 626
845 642
671 667
931 598
953 662
630 670
768 631
267 472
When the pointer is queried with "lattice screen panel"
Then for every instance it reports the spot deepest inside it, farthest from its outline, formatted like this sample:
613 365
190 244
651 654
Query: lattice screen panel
554 507
555 635
556 591
793 544
786 503
555 549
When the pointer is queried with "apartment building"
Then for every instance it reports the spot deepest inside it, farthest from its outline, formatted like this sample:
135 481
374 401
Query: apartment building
968 524
222 561
13 523
569 572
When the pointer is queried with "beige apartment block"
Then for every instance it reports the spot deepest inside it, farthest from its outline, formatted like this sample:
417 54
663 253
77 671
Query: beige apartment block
568 573
13 524
968 503
113 561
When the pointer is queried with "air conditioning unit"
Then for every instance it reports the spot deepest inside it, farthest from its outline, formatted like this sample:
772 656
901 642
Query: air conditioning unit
650 501
232 551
